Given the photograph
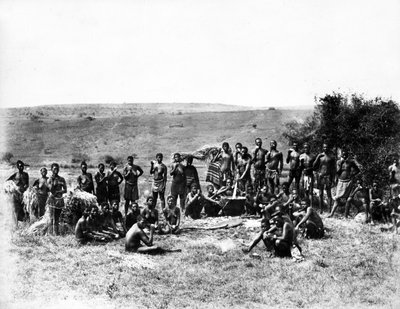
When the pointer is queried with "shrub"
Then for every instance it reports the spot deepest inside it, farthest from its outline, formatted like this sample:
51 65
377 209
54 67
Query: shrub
7 156
79 157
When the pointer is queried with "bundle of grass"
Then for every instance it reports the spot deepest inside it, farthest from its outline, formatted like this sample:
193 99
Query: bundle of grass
31 202
77 202
40 227
11 189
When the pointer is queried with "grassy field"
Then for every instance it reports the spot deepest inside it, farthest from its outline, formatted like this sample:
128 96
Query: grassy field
354 266
62 135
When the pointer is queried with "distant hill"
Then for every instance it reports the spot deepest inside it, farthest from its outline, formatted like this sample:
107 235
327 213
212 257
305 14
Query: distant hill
44 134
114 110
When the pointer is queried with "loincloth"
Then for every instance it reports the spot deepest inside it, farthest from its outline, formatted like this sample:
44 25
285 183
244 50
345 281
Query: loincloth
343 189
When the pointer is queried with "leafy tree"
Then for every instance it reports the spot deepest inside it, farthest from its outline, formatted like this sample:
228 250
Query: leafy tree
368 128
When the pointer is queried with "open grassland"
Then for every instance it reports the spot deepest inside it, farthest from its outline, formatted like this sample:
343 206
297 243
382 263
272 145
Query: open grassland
63 137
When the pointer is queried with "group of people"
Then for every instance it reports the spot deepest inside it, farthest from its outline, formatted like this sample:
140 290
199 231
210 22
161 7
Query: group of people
254 176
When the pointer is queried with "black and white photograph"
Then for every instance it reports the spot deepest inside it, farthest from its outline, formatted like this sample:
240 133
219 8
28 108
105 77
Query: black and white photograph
199 154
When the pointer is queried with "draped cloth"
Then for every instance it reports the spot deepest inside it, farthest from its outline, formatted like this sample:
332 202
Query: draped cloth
214 174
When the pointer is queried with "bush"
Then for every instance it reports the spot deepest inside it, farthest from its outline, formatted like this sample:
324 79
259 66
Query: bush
79 157
7 156
108 159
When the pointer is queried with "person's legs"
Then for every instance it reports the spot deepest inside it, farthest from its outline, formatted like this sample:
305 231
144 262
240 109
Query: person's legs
162 199
182 201
254 243
282 248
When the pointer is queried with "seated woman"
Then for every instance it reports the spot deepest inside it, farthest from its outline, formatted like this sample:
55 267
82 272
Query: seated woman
172 216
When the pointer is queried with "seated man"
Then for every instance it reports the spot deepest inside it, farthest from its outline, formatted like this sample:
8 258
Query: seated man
136 235
305 214
293 201
150 213
359 198
210 202
106 222
194 203
227 190
278 238
172 216
131 216
84 229
262 198
250 203
82 234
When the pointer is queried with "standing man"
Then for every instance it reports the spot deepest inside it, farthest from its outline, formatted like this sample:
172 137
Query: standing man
159 170
346 170
131 174
114 180
227 166
85 180
57 187
394 178
293 159
259 155
324 164
243 170
306 168
274 166
238 154
21 179
178 184
192 177
101 184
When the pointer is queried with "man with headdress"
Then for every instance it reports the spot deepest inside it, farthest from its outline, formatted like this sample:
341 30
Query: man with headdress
21 179
41 184
57 187
159 171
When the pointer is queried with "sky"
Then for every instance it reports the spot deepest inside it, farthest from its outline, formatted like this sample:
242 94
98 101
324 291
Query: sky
252 53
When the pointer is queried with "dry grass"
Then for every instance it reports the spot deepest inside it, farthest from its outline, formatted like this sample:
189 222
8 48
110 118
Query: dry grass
354 266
